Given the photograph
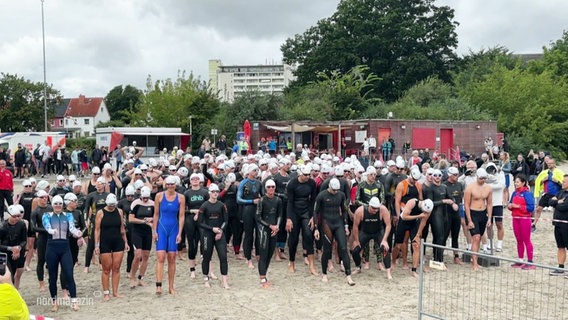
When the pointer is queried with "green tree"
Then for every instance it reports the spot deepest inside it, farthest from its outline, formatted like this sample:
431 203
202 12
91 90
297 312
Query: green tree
168 103
250 105
334 96
476 65
22 103
555 59
534 106
402 42
121 99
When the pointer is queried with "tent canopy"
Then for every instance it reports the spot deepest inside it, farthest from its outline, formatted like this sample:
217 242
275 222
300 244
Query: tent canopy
303 128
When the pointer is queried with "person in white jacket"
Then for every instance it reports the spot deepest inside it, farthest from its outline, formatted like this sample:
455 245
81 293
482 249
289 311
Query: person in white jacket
496 180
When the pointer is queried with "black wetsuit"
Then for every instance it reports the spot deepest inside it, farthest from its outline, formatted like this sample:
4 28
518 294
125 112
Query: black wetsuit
95 201
455 190
370 228
281 182
193 201
334 219
439 219
125 204
13 235
301 198
26 200
409 225
41 238
213 215
235 227
269 213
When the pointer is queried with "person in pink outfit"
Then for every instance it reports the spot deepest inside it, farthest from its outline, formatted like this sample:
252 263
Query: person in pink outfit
521 206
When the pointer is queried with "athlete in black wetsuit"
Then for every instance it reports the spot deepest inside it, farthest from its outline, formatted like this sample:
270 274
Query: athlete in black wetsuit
25 199
455 190
439 219
13 237
331 204
281 179
41 234
213 219
300 216
94 202
125 205
371 222
416 213
268 218
195 196
228 196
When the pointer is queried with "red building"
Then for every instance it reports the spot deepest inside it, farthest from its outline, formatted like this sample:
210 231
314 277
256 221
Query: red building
441 135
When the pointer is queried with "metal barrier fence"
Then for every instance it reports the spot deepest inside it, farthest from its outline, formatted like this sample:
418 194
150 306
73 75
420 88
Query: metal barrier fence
499 292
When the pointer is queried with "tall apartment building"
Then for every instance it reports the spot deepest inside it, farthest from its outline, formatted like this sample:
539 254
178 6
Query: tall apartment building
230 81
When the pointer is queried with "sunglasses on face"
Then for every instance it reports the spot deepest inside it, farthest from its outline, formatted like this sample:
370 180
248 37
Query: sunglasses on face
214 191
482 178
129 195
27 186
44 197
270 187
96 174
170 184
436 175
57 204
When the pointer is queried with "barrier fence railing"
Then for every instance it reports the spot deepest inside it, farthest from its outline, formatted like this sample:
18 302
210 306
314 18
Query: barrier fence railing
495 292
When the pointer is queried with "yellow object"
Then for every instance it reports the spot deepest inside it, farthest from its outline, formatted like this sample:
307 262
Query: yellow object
12 306
557 175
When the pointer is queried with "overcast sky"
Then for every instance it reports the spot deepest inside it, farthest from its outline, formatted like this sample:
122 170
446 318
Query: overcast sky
92 46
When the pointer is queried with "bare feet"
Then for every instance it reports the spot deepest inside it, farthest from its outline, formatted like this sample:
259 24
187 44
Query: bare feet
266 285
458 261
324 278
117 295
106 296
207 284
192 274
405 266
350 281
212 275
414 274
381 266
277 257
282 255
141 283
389 274
86 270
42 287
158 291
313 271
240 257
226 285
291 267
172 291
55 307
132 283
475 267
27 268
74 307
366 265
306 262
250 265
356 270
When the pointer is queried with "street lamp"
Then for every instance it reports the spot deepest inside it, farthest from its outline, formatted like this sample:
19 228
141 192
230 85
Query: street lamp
214 133
44 72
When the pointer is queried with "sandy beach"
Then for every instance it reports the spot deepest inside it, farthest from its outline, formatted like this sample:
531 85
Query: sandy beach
293 296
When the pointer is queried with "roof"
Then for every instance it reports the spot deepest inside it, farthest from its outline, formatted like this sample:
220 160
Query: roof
83 106
61 108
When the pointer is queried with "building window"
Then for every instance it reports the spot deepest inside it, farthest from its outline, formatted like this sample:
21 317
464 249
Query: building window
61 122
86 121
